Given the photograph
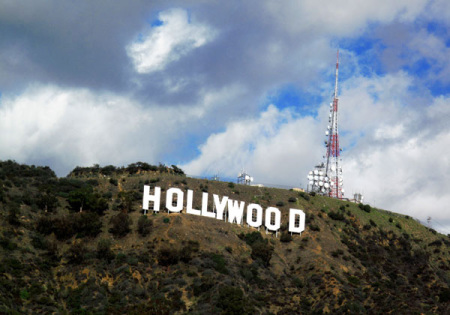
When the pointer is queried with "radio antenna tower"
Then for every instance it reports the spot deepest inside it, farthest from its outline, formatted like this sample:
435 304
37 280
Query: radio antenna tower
333 165
327 178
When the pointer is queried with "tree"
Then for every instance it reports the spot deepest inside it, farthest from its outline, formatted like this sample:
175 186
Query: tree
285 237
177 170
78 198
120 224
144 225
104 250
76 252
13 215
262 250
84 198
87 224
168 256
47 202
232 301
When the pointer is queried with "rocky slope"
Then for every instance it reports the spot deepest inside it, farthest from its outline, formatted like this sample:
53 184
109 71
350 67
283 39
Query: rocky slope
110 259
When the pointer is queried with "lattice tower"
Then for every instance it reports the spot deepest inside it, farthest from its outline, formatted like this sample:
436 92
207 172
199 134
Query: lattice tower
326 178
333 168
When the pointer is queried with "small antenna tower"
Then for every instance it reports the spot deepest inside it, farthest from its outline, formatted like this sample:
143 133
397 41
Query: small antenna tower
327 177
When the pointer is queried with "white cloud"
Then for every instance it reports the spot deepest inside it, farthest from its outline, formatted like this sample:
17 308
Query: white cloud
341 18
276 147
66 127
435 51
167 43
398 157
77 127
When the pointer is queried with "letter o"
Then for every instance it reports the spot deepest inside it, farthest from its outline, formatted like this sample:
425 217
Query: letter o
259 215
276 225
169 199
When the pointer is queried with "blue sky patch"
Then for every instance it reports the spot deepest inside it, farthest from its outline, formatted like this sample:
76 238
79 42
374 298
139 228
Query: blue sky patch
368 51
156 23
302 102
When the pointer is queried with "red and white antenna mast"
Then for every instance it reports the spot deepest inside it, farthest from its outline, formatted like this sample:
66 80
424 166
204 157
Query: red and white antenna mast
327 178
333 165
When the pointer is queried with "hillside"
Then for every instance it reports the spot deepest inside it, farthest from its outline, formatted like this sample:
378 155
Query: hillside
110 259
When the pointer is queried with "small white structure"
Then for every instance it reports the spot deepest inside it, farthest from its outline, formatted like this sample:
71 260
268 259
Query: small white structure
244 178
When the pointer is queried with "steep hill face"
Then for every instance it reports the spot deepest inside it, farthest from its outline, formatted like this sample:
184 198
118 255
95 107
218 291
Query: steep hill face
81 245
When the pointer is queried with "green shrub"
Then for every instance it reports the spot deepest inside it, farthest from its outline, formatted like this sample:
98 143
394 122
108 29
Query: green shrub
366 208
104 250
24 295
337 252
232 301
292 199
353 280
304 195
444 295
188 250
144 225
63 228
280 204
336 216
13 215
298 283
286 237
7 244
87 224
219 262
262 250
76 253
202 285
231 185
154 180
85 198
38 241
47 202
168 256
44 225
120 224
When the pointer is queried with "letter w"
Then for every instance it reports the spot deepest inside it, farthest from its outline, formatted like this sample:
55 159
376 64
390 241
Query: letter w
235 211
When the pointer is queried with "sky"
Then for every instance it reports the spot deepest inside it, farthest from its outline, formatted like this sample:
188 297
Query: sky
220 86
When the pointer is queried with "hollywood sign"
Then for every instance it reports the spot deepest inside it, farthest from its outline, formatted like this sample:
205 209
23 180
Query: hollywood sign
223 209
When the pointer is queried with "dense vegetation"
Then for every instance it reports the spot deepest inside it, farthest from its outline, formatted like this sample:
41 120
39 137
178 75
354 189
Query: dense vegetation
82 245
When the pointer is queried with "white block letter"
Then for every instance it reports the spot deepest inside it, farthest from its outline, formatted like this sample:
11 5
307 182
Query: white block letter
189 201
259 214
220 206
275 225
296 221
205 211
146 198
235 211
169 199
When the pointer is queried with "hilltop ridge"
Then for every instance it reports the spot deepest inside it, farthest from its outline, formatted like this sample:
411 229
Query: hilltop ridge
80 244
